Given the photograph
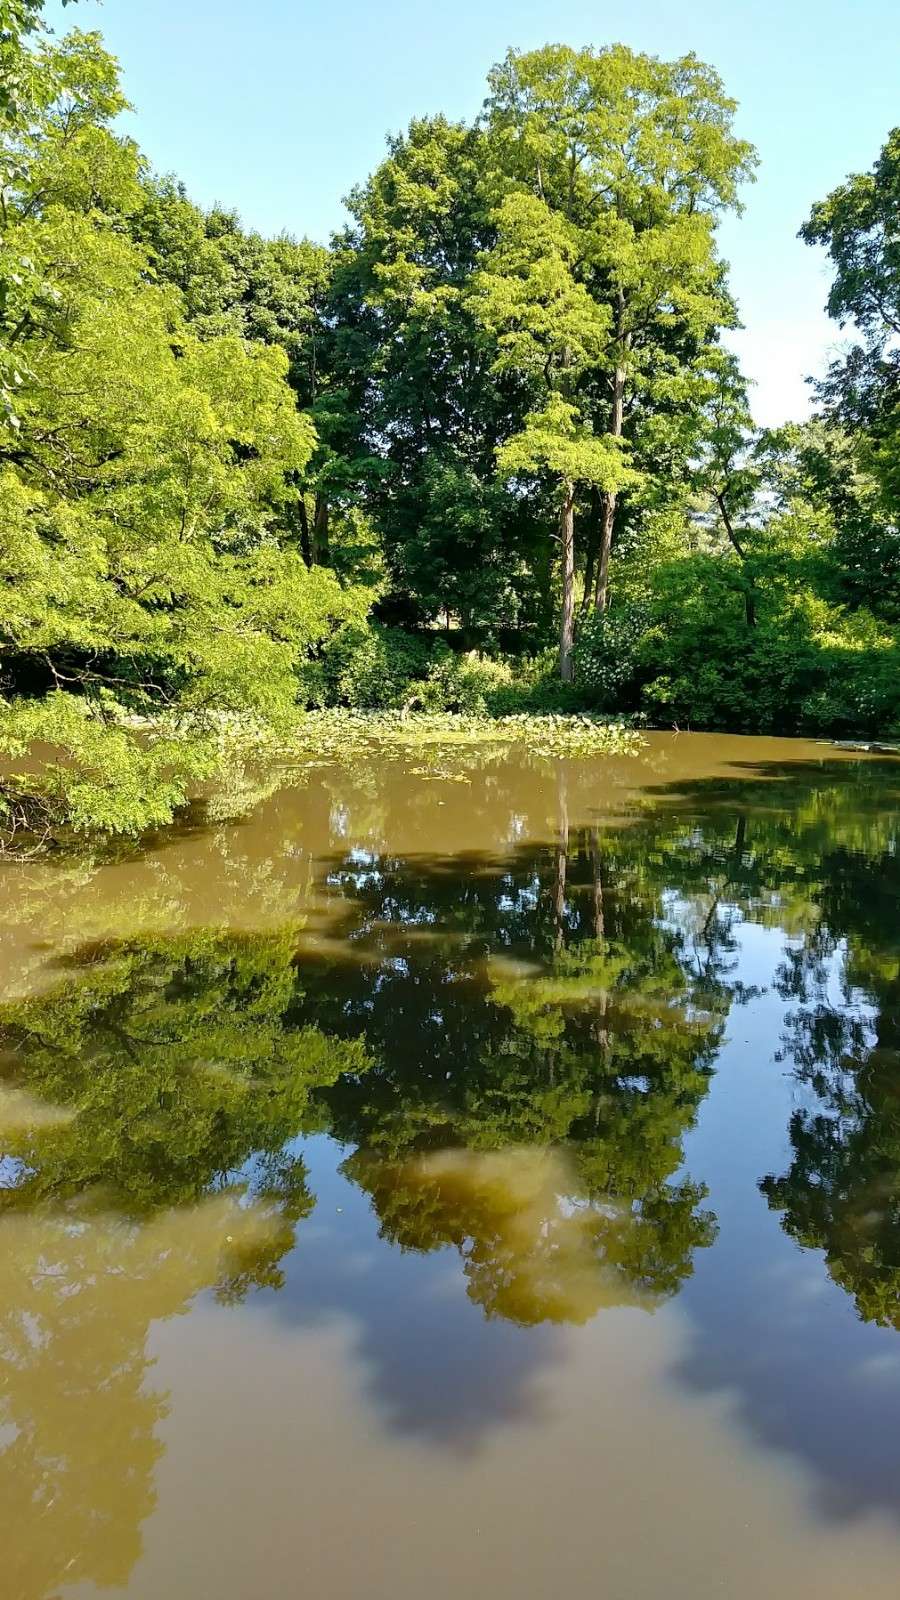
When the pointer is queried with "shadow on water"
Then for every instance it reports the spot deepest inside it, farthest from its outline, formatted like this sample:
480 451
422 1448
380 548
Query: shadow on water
514 1051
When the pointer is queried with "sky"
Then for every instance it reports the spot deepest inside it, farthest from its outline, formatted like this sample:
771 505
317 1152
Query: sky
276 108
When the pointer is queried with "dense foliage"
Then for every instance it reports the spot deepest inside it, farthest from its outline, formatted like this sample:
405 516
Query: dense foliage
484 452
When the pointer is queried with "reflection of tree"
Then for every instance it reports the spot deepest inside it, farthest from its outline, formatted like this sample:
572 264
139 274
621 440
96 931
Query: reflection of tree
537 1244
177 1061
177 1078
77 1416
541 1038
513 1047
812 851
841 1193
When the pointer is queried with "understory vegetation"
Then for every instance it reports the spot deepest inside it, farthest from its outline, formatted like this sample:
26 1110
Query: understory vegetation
486 454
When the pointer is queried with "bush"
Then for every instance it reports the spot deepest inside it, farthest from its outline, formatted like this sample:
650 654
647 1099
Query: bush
860 680
372 667
468 683
607 656
807 666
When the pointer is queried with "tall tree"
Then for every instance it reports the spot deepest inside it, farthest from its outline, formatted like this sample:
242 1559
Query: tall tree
435 404
550 329
639 157
275 292
859 225
144 475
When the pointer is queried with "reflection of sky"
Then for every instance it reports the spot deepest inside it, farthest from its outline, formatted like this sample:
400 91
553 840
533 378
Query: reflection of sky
437 1367
770 1328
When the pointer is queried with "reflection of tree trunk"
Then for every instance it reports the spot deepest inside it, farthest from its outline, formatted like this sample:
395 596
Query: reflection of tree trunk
599 919
601 1033
567 619
562 851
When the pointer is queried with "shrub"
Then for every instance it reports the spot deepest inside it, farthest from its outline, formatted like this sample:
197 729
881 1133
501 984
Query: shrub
468 683
808 666
372 667
607 655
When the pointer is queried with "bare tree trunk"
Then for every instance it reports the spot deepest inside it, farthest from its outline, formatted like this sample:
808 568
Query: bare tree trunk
567 619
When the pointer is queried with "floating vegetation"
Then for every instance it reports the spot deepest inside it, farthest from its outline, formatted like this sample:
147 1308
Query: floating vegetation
332 734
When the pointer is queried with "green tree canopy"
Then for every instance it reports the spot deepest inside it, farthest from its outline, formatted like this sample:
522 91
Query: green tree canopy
147 479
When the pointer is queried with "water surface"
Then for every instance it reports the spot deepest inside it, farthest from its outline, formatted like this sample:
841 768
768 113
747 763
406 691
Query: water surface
482 1175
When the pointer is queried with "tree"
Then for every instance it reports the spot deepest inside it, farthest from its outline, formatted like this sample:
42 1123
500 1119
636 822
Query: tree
145 479
725 469
24 91
435 406
551 331
855 557
859 225
275 292
638 156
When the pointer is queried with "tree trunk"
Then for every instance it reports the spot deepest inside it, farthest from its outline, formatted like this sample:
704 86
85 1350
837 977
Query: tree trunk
601 592
567 619
305 546
321 549
749 596
616 425
610 497
593 545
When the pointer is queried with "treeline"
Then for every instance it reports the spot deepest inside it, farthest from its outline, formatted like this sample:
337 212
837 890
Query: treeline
485 450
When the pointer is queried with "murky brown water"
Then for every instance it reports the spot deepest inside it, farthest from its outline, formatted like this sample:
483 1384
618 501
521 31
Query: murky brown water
483 1179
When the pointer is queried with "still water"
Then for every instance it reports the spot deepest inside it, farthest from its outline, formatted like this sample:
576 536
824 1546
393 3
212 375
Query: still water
476 1178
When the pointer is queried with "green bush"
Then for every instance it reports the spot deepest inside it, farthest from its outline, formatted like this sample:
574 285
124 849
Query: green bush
372 667
859 690
469 683
607 656
533 686
808 666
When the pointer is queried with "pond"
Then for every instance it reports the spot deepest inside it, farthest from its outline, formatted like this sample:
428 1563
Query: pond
473 1177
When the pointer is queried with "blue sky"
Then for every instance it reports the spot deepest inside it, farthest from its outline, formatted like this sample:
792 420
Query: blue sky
277 107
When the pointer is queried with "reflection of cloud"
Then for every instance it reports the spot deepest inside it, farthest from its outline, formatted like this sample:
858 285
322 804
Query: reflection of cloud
534 1250
795 1378
78 1418
434 1369
21 1112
